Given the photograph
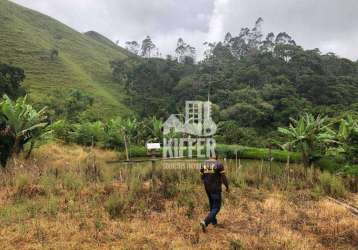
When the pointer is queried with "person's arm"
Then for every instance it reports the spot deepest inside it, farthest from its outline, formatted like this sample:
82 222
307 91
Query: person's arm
223 177
225 182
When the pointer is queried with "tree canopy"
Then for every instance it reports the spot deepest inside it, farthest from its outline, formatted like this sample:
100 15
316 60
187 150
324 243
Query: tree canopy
258 81
11 79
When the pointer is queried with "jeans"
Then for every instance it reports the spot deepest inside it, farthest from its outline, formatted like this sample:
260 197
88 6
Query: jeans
215 204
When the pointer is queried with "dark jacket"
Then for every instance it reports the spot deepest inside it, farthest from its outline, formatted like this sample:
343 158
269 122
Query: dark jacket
213 175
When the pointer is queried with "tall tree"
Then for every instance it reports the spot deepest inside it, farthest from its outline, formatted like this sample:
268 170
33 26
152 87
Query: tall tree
255 36
284 38
269 43
227 38
147 47
185 52
133 47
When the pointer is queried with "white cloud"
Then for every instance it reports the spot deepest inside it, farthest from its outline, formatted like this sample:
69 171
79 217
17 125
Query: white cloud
216 25
328 25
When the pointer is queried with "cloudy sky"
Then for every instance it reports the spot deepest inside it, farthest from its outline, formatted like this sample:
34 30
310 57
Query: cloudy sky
330 25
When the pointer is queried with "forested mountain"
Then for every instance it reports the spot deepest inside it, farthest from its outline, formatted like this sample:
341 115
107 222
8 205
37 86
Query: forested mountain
256 83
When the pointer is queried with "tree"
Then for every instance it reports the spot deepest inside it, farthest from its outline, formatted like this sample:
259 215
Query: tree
147 47
227 38
21 124
120 70
54 54
284 38
180 49
247 42
133 47
258 81
269 43
89 133
68 104
151 87
309 135
239 45
127 129
255 36
232 133
11 79
185 52
208 52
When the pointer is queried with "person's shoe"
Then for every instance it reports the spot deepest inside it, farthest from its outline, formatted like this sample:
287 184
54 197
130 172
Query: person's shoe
203 226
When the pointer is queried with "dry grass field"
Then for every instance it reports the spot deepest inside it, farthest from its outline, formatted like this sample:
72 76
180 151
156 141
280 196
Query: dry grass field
68 197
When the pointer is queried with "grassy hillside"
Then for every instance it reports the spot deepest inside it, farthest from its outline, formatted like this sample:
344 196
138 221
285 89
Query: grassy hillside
27 39
105 41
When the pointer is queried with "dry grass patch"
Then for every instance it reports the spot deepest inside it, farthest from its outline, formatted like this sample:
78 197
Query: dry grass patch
56 201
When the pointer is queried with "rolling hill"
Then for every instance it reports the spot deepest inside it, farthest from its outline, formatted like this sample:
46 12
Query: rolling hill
27 40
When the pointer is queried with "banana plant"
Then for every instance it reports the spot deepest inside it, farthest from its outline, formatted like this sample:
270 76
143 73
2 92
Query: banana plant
21 124
155 128
308 135
347 136
127 129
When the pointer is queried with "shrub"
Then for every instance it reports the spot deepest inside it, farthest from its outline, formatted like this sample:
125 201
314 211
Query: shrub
229 151
350 170
72 182
63 130
52 206
115 205
169 190
135 186
33 208
22 183
49 183
330 163
237 181
89 133
332 185
236 245
316 192
137 151
190 209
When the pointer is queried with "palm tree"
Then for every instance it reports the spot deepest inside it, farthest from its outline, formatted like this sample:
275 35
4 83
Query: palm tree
308 135
21 124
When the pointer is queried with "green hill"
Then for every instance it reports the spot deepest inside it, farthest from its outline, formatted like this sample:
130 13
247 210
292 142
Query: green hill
27 39
105 41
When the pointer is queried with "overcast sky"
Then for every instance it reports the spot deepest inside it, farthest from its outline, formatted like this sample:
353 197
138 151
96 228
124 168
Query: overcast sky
330 25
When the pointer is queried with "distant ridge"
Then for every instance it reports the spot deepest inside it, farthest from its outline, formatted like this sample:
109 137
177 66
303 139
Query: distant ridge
104 40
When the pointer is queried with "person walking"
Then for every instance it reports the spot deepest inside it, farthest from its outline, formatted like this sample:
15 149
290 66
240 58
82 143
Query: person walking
213 176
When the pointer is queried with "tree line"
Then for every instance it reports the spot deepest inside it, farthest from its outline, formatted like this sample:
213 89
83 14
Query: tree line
185 53
256 82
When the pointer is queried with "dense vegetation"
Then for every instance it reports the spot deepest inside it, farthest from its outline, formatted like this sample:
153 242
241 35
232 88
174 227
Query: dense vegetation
257 84
11 79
